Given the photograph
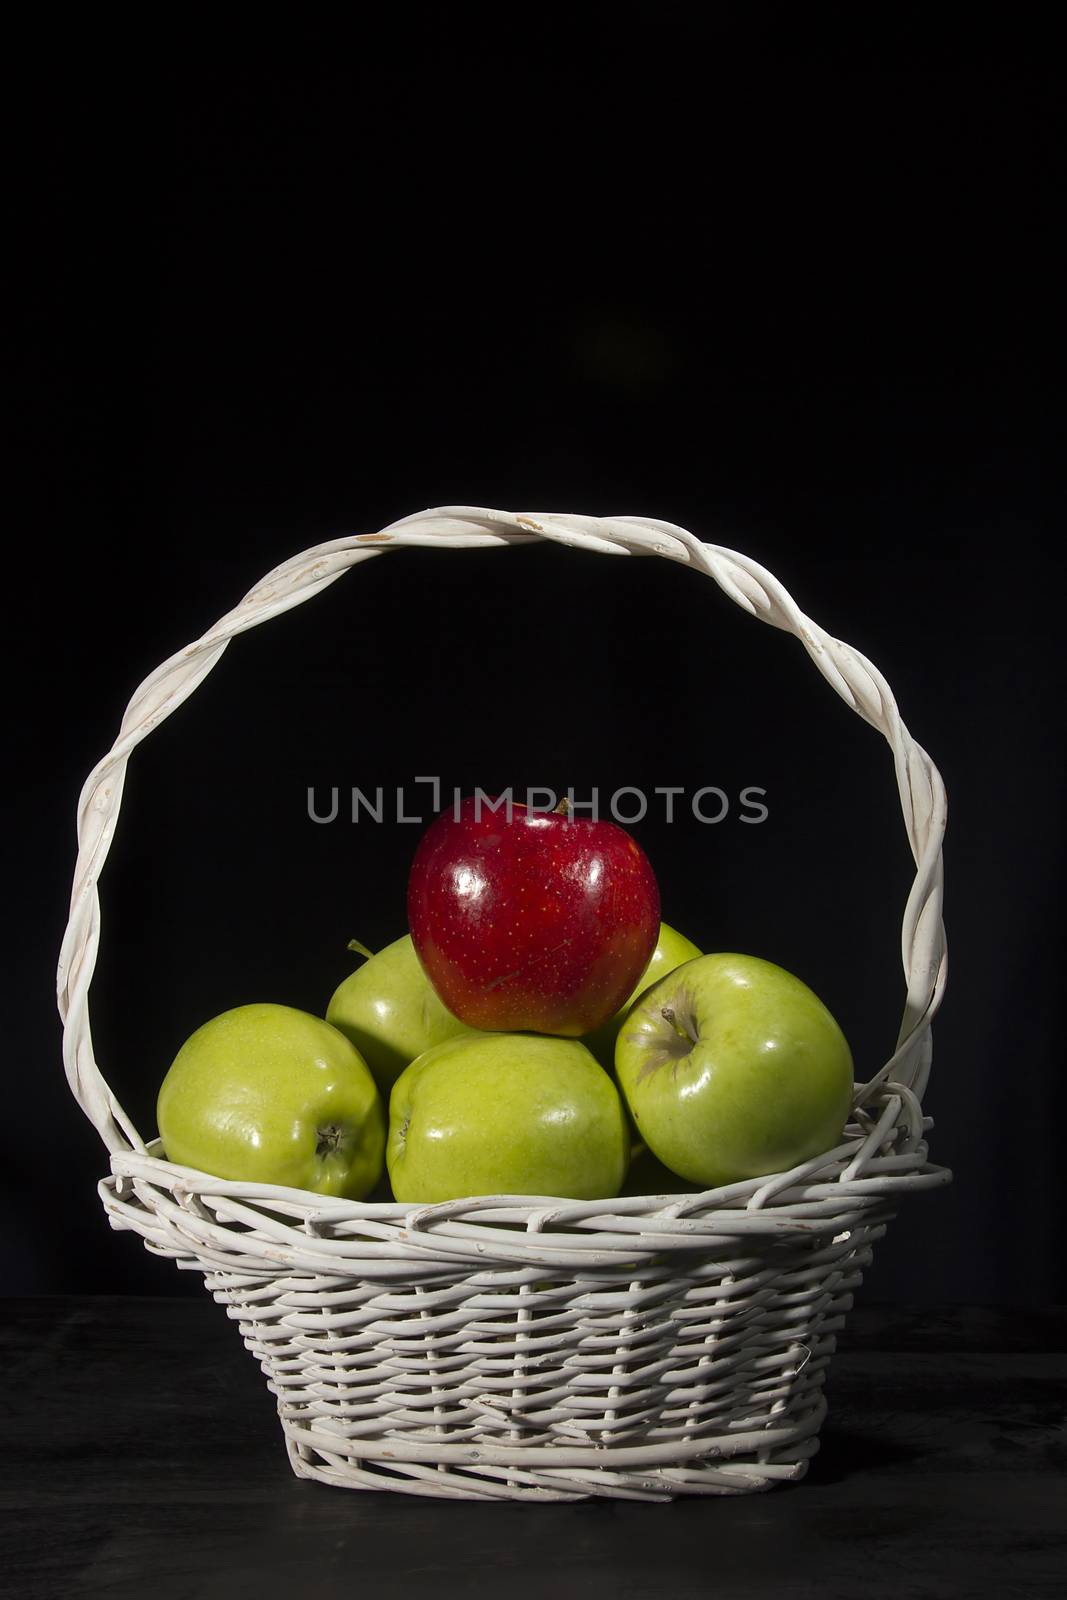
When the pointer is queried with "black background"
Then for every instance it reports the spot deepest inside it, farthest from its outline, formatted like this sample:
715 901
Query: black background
793 292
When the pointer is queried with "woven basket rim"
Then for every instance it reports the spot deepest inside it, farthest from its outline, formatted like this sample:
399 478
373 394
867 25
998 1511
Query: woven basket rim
227 1226
761 1196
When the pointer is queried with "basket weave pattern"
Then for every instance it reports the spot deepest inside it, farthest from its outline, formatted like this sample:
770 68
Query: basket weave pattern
525 1347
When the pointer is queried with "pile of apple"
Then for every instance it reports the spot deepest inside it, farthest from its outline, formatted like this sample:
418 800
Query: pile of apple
539 1032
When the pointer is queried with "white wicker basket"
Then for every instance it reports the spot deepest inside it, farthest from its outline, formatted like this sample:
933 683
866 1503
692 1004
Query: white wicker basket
535 1348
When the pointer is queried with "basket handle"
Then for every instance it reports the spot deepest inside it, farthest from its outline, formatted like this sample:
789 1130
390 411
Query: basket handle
860 685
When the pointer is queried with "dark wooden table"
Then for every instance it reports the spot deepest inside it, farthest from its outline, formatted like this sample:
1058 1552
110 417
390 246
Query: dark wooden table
142 1457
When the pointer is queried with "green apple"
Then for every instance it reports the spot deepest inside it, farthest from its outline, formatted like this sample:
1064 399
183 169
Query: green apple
390 1011
732 1068
506 1113
268 1094
672 948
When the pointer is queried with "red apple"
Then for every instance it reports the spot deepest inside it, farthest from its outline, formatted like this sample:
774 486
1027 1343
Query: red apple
531 921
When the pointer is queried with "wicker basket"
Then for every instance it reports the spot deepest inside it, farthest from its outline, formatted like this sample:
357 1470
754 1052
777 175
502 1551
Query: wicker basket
535 1348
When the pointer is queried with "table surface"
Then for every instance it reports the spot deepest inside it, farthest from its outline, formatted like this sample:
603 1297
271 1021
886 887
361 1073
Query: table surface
143 1457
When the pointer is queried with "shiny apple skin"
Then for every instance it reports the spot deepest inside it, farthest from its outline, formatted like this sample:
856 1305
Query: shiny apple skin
542 923
268 1094
389 1010
508 1114
732 1068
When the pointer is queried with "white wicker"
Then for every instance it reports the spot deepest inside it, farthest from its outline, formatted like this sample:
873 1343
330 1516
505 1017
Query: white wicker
535 1348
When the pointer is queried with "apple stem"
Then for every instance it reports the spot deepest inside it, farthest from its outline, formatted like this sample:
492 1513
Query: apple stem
683 1033
360 949
563 809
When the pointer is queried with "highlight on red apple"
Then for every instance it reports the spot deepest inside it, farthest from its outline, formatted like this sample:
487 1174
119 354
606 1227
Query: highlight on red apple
531 921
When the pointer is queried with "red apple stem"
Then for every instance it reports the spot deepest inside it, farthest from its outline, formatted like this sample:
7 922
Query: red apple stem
563 809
